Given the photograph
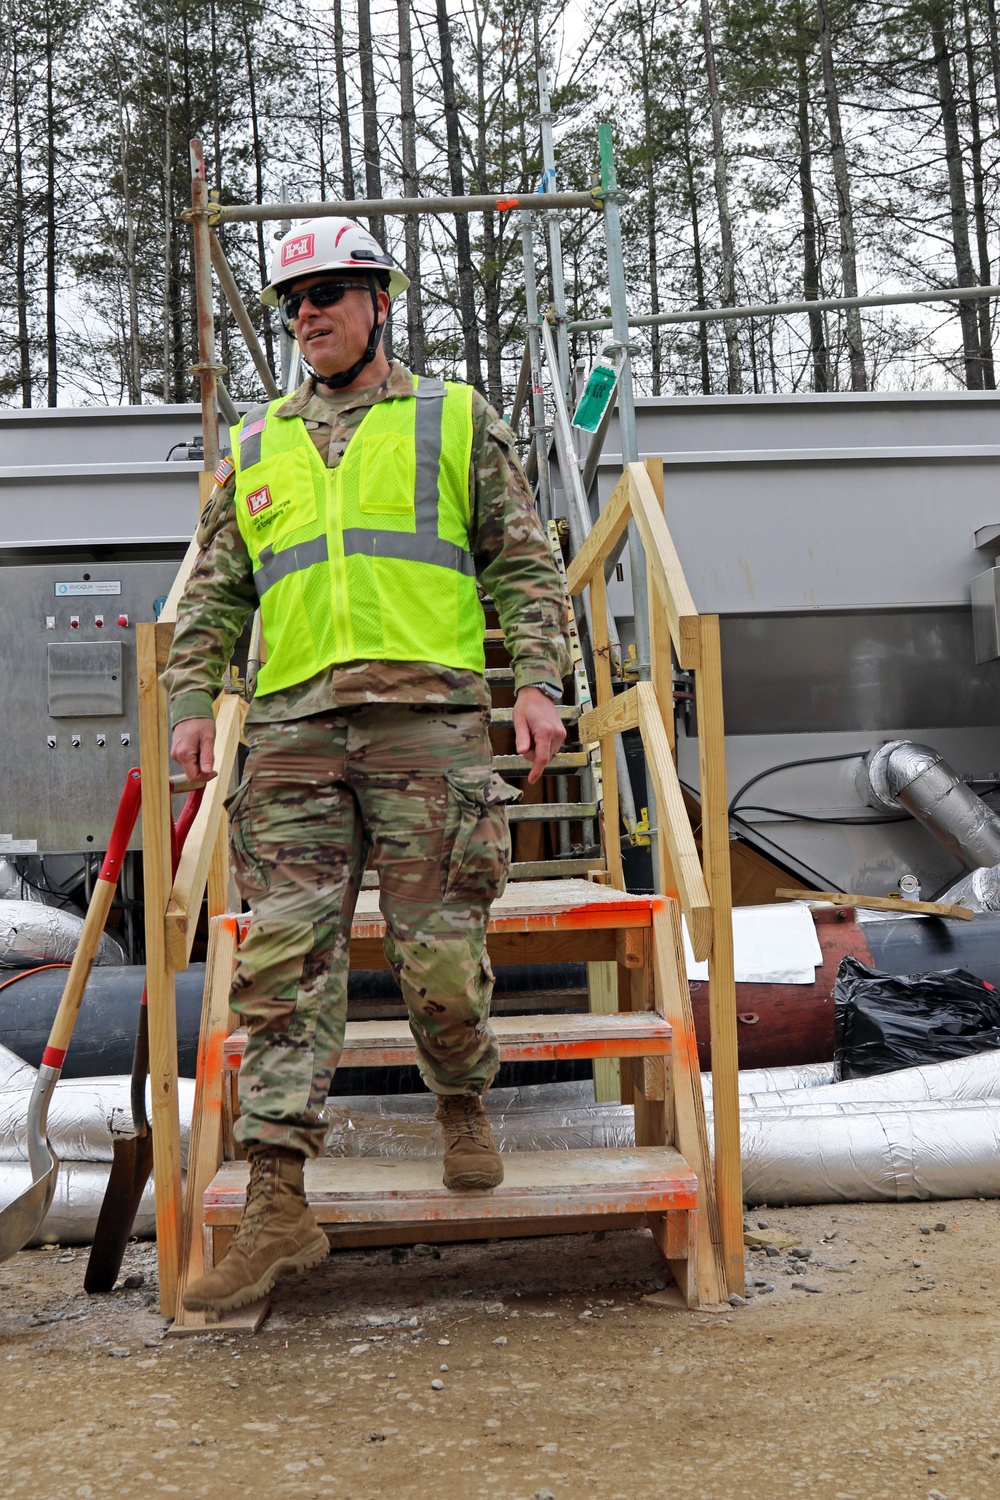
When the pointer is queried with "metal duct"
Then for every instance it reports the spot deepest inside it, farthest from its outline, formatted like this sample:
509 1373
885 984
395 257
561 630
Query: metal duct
32 934
980 890
886 1154
85 1115
904 775
80 1188
976 1077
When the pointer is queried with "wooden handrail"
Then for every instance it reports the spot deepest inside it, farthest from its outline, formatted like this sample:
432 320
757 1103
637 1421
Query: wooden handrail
665 571
188 890
606 530
703 885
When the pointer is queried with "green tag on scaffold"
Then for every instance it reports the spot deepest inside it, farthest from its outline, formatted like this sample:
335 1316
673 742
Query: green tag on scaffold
594 401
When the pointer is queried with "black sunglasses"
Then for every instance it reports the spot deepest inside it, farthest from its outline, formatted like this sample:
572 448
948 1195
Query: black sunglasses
323 294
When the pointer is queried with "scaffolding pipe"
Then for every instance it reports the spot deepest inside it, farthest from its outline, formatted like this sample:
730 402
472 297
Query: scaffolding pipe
238 308
627 429
780 309
539 431
577 509
555 237
579 519
207 369
357 208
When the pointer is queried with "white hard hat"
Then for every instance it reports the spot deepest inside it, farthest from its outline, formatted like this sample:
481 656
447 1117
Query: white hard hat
333 245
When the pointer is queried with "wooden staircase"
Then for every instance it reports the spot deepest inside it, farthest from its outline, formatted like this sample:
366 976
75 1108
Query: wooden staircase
641 1023
379 1201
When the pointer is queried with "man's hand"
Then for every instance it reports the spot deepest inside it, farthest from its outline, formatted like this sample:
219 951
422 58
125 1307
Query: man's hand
538 729
193 748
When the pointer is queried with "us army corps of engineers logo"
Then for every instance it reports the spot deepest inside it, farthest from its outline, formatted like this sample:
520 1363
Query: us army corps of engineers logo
258 500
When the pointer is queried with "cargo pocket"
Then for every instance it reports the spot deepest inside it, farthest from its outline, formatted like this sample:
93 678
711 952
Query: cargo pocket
251 876
476 828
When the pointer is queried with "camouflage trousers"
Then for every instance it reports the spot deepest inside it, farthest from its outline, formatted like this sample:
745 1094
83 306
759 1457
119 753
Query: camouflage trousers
411 785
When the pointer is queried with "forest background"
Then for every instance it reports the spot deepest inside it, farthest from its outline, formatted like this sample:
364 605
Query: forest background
769 150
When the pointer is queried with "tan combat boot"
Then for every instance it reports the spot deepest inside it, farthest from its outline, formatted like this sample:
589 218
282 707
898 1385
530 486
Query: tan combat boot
471 1159
278 1233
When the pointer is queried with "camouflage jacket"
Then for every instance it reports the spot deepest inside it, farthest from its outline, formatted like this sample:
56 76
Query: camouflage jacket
509 548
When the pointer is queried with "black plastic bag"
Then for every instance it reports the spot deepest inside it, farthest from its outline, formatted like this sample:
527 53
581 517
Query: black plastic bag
887 1021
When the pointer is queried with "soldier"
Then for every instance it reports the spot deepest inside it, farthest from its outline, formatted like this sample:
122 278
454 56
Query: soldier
358 514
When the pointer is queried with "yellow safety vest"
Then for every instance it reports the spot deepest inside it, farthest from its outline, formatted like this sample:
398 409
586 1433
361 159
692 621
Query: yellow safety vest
371 560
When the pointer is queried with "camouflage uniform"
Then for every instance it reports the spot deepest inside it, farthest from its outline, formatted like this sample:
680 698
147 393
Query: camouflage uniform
387 757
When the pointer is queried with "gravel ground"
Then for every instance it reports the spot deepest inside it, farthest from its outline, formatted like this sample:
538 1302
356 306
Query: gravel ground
529 1368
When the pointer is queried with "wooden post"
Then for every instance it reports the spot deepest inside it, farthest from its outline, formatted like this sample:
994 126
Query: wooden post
205 1151
152 643
602 992
721 974
609 766
673 1000
661 675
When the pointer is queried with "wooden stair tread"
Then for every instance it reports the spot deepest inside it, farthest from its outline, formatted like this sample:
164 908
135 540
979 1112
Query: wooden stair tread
556 869
566 760
537 905
520 1038
537 1184
541 812
568 712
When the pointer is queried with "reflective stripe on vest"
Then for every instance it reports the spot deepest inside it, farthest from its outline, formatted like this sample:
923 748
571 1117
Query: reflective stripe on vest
395 465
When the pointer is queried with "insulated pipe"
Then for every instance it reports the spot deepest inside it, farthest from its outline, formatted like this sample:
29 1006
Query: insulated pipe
902 774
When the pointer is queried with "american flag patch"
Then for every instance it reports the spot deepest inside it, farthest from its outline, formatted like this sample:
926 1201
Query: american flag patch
225 469
254 427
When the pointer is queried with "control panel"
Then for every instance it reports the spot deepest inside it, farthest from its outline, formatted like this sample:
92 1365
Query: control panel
68 679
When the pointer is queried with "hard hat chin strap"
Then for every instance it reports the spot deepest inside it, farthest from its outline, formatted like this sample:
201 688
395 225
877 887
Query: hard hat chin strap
344 377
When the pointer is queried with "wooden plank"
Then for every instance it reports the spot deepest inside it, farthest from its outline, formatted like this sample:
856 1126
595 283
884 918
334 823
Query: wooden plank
195 861
649 1078
537 1184
667 574
676 1234
674 825
880 903
153 761
373 1236
673 1000
602 992
613 717
661 675
611 819
721 971
381 1044
603 534
218 887
168 614
206 1145
538 869
547 947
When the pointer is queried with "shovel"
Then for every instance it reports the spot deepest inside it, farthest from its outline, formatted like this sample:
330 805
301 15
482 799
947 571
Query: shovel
20 1220
132 1160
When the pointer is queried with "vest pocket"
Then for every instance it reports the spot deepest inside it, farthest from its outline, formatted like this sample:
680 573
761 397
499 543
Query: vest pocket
387 476
476 817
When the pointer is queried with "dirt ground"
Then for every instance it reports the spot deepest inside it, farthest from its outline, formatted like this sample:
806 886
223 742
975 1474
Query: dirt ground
557 1378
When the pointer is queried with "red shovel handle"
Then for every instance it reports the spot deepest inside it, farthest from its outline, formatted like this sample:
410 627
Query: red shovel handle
124 825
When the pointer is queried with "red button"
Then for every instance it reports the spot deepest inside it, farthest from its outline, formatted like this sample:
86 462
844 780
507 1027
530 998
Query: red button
123 620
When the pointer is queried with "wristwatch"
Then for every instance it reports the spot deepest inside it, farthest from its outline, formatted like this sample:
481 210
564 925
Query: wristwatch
554 694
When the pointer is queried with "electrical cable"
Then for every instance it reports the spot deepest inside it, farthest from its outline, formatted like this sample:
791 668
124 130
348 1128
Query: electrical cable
801 817
790 765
